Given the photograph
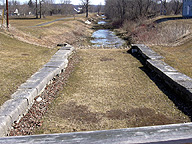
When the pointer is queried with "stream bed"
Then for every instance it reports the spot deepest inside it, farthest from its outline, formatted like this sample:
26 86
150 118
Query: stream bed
106 38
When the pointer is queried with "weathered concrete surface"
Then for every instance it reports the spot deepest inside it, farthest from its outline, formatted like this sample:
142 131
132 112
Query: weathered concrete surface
176 133
10 112
57 64
28 94
159 67
23 98
38 84
14 108
5 122
51 70
180 83
146 52
177 81
67 48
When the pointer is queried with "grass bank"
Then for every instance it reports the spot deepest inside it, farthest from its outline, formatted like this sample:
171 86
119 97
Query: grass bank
170 38
70 30
109 90
26 47
179 57
18 61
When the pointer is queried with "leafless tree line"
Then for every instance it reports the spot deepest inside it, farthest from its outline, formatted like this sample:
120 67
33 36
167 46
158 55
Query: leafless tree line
135 9
48 7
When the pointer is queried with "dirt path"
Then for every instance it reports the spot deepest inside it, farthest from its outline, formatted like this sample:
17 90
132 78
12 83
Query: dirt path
47 23
108 90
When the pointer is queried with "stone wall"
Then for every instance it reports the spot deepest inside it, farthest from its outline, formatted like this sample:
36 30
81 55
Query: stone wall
13 109
177 81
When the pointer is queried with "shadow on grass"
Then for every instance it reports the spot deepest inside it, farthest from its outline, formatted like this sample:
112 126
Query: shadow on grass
171 18
22 18
180 103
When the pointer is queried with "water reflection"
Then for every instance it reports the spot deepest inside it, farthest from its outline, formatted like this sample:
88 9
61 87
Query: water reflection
102 22
106 38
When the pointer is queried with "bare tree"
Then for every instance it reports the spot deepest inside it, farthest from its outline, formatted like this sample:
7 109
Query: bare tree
176 6
66 7
86 4
128 9
99 8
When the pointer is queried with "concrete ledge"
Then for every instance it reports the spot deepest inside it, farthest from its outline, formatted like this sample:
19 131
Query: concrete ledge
175 133
145 52
14 108
57 64
51 70
177 81
23 98
28 94
159 67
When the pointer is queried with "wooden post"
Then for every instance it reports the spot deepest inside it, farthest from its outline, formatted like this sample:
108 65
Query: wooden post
7 13
36 10
40 8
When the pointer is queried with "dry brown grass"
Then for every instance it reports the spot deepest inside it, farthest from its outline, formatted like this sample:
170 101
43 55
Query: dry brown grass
24 49
177 37
171 39
169 33
18 61
67 30
179 57
109 90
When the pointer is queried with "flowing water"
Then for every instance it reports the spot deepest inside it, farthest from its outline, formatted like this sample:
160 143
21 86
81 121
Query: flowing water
106 38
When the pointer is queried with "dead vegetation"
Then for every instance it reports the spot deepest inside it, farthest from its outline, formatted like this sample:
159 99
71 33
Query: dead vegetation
26 47
171 39
69 30
178 57
169 33
18 61
109 90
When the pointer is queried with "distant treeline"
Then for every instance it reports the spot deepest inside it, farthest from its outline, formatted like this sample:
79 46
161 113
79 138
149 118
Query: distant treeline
121 10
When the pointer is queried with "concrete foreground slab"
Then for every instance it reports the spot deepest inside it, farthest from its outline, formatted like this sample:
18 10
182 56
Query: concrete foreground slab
176 133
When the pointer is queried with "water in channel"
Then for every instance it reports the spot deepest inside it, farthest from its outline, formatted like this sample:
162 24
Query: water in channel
106 38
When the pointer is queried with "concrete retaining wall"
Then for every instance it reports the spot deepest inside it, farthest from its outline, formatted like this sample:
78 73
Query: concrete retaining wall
177 81
13 109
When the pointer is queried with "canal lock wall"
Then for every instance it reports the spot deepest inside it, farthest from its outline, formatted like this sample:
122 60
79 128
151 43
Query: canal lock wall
178 82
21 101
